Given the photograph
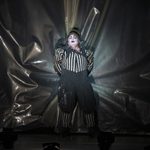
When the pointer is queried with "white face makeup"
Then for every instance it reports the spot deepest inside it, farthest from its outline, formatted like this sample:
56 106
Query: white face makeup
73 40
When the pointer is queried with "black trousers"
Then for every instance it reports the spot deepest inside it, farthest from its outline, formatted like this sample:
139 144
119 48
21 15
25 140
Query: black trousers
75 88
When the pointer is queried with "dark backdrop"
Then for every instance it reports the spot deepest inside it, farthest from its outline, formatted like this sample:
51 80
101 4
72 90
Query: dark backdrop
117 31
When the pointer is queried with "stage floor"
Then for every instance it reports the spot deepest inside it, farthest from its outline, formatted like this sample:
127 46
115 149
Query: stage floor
78 142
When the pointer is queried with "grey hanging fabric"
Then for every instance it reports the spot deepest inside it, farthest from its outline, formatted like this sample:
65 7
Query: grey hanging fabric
118 34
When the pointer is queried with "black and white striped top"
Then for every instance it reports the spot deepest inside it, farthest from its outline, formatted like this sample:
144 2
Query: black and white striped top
74 61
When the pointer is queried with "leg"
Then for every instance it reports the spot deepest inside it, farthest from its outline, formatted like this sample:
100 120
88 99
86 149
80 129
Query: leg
8 138
87 102
67 102
105 140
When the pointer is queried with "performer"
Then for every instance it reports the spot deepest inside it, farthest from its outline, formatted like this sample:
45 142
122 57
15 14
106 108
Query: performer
73 63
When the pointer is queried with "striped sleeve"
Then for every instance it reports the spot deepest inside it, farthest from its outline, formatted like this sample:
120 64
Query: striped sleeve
90 58
59 53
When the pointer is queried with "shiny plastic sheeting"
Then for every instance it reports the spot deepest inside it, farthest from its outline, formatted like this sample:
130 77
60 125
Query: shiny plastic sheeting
29 31
118 32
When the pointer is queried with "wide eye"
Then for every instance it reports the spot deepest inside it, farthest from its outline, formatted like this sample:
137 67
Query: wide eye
70 37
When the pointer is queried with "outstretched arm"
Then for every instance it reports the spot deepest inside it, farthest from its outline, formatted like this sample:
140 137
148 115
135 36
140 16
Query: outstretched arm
90 59
59 53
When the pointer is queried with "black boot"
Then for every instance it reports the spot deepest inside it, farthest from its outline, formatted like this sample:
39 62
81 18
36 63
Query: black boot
8 138
65 131
91 131
105 140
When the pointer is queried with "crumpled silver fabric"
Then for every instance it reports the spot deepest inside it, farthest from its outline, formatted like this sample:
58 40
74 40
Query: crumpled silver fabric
120 78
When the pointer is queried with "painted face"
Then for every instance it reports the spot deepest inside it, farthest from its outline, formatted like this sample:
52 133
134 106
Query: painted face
73 40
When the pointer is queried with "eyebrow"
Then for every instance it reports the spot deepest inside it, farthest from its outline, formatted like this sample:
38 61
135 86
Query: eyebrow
74 35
